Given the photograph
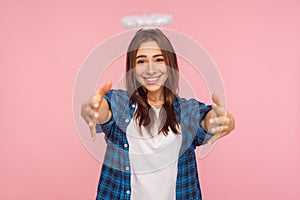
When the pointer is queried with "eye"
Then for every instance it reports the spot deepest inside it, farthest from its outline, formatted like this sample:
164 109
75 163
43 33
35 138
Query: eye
140 61
159 60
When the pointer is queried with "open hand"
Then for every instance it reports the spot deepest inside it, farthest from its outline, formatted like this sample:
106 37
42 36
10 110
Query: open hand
218 121
96 109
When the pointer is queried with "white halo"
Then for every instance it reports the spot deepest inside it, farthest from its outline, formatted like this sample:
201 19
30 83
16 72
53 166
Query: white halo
154 20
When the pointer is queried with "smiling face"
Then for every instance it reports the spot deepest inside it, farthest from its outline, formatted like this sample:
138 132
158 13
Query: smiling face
150 67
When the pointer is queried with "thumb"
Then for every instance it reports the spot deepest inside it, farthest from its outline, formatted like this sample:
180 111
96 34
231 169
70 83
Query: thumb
99 94
216 99
105 89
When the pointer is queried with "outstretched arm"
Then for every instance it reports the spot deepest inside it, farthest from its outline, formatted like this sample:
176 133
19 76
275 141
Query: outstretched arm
96 109
218 121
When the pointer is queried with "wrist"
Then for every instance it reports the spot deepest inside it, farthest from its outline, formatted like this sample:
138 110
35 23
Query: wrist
205 121
202 123
102 119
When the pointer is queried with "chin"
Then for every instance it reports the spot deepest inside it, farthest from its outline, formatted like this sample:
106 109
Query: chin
153 88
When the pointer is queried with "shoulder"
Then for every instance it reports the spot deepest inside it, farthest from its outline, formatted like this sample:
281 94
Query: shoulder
190 105
117 93
117 96
179 101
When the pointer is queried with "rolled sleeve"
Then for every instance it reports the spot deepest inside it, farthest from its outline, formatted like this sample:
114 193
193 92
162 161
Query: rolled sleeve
108 126
202 136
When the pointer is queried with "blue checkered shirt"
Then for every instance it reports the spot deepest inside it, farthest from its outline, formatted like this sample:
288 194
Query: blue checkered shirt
114 183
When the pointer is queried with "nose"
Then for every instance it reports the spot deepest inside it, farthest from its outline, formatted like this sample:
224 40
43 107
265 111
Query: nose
151 68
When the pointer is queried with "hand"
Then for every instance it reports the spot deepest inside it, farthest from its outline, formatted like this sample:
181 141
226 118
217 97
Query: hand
96 109
218 121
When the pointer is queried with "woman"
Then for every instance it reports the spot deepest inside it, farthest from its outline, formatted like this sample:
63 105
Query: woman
151 132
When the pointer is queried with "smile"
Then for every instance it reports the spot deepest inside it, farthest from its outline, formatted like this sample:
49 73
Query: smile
152 80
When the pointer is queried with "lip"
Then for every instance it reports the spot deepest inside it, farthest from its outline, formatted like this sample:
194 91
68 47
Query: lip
152 79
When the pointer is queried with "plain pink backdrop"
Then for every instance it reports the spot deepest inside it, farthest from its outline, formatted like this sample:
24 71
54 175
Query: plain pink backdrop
255 45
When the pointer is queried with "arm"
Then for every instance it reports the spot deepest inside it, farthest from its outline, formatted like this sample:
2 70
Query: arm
104 113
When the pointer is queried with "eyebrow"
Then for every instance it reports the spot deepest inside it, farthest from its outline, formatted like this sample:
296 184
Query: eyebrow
144 56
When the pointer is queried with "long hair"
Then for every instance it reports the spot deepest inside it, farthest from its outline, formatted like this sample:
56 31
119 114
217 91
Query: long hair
144 114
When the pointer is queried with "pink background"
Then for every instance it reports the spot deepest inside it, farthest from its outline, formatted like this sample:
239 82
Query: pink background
255 45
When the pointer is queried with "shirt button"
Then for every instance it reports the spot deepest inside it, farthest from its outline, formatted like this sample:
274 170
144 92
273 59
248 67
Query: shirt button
125 145
127 168
126 120
128 191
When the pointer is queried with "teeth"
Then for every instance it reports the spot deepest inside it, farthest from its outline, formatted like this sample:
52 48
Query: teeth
152 79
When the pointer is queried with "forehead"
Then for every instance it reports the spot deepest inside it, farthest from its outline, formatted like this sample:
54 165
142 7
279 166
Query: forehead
149 47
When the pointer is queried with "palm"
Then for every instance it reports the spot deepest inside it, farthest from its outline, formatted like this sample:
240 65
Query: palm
220 122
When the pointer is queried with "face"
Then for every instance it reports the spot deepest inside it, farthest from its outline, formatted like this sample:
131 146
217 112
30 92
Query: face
150 67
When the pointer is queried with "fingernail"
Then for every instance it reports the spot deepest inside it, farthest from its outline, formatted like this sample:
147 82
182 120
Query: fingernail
96 105
90 123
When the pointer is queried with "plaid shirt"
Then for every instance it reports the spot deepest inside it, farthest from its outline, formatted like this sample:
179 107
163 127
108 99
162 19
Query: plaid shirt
114 183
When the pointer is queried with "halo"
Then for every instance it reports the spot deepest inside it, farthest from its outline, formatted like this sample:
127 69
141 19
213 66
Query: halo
153 20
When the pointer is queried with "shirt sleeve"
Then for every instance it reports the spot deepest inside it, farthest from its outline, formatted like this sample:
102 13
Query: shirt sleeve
202 136
107 127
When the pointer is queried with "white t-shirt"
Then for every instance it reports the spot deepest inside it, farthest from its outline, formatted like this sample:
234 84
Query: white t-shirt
153 162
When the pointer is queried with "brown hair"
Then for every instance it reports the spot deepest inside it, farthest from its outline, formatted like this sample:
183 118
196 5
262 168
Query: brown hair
144 114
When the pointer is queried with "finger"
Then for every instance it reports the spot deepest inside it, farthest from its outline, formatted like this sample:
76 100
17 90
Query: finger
218 129
214 138
219 110
94 101
216 99
92 126
217 136
219 121
92 113
87 119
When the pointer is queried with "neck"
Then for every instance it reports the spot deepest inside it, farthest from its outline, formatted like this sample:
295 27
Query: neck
156 98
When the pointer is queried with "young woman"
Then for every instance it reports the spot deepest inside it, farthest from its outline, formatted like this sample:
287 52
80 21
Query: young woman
151 132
